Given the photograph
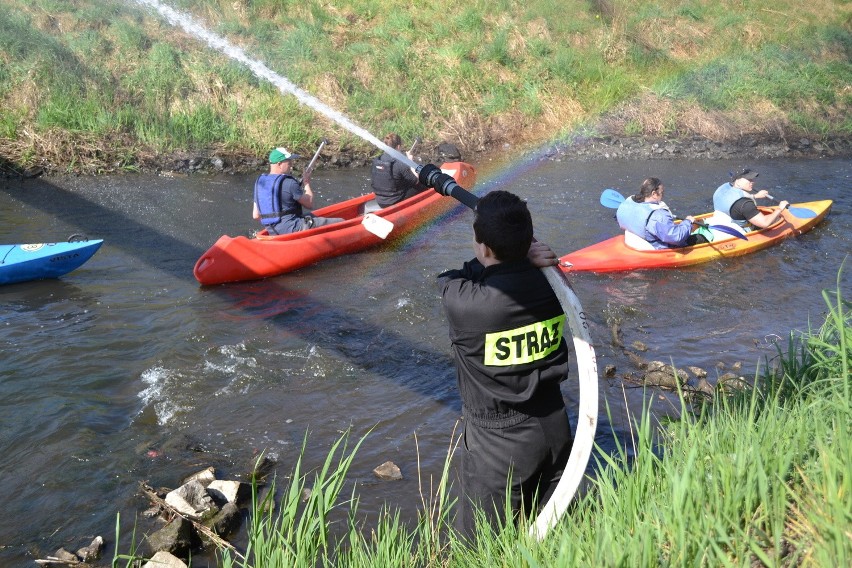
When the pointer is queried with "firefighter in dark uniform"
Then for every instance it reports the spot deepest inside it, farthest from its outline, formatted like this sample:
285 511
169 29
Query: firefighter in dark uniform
507 333
393 181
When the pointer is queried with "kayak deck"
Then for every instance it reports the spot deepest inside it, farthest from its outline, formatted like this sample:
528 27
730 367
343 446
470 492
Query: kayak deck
38 261
612 255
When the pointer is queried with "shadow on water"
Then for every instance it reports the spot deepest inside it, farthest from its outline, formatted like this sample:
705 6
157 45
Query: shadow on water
427 373
167 254
134 239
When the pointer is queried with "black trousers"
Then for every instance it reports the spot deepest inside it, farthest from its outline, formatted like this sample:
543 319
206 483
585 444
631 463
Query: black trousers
533 453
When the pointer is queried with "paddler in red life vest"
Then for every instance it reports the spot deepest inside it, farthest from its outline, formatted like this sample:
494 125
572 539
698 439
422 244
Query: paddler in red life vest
735 205
648 223
279 197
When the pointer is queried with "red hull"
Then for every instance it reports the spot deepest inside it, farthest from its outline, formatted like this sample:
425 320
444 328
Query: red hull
235 259
613 255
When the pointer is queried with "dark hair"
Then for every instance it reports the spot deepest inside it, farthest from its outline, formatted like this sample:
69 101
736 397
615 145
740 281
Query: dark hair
649 186
504 224
393 140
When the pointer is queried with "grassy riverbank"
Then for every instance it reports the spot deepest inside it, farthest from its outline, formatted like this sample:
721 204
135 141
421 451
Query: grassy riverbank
94 86
759 478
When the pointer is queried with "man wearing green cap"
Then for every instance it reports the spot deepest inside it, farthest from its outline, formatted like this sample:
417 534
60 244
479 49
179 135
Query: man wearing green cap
279 197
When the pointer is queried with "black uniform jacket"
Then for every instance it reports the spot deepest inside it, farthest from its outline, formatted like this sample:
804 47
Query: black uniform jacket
507 332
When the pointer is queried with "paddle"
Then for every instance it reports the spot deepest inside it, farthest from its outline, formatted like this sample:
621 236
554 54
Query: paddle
799 212
379 226
376 225
417 141
587 371
612 199
313 161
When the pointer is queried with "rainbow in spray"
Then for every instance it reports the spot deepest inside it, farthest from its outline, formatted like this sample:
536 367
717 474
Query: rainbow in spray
587 367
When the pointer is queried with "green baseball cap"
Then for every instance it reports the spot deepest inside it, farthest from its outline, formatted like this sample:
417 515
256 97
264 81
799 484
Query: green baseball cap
281 155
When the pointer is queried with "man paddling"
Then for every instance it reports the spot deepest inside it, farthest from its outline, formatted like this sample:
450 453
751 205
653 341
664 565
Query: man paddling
506 328
279 197
735 205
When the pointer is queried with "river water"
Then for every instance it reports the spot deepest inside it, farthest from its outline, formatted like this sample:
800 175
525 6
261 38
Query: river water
126 370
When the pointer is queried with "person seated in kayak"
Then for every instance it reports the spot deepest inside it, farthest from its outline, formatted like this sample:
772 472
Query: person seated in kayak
393 181
734 203
279 197
646 219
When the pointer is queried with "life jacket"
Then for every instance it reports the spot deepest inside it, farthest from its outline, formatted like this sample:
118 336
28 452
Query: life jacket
385 186
267 195
724 198
633 218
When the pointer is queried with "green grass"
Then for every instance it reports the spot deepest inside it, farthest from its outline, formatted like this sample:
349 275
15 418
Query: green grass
758 477
434 70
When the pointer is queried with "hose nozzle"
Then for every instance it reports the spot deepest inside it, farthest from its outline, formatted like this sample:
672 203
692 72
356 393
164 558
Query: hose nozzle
431 175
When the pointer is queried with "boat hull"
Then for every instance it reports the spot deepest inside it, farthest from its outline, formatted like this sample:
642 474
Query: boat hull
236 259
612 255
37 261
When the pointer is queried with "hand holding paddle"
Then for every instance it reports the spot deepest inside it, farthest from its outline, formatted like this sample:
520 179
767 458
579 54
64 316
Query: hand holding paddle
800 212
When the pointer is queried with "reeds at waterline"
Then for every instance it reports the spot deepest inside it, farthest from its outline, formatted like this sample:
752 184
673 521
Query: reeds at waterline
760 477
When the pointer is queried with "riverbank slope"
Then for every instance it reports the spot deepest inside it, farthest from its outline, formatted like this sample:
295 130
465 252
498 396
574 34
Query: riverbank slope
95 87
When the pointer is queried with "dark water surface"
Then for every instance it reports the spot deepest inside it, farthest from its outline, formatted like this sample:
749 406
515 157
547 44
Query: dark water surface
128 354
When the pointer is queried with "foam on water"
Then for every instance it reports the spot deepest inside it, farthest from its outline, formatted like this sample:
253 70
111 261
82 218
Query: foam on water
156 394
171 393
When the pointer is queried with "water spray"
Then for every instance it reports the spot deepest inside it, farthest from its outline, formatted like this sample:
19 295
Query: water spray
432 176
217 42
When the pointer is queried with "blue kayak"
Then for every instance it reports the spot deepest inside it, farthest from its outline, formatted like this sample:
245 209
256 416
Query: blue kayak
20 263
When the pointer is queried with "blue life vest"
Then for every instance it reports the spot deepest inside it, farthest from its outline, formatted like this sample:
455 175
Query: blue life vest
634 217
267 195
724 198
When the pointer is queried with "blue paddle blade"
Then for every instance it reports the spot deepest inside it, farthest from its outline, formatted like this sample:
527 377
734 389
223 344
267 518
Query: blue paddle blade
801 212
611 199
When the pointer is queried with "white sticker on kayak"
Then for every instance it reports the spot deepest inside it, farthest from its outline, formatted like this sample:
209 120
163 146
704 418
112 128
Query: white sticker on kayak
33 247
379 226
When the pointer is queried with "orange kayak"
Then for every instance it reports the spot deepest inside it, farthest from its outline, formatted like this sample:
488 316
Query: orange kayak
235 259
613 255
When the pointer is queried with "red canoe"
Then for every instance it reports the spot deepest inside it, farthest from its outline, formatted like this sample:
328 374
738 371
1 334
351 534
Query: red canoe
613 255
234 259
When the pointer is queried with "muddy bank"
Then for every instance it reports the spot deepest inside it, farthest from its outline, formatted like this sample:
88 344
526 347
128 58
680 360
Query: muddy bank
579 148
747 148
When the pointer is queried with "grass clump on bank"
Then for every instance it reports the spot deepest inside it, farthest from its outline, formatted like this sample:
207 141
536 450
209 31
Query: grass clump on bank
759 478
106 85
